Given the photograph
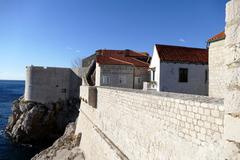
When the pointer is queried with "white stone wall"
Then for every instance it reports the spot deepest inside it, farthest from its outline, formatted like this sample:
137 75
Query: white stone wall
46 85
217 69
124 76
155 126
231 98
155 63
169 78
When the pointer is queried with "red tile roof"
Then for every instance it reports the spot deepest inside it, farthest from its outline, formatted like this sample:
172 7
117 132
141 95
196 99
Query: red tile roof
121 57
124 53
182 54
217 37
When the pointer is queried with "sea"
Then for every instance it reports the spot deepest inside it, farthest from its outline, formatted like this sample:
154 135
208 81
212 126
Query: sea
10 91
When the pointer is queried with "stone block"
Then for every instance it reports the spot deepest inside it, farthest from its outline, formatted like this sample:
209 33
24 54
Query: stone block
231 149
232 128
88 94
215 113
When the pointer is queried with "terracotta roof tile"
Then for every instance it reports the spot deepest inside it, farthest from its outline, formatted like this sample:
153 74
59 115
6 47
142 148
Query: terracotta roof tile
217 37
108 60
182 54
122 57
124 53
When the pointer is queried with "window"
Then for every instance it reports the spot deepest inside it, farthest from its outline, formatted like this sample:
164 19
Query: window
64 90
183 75
153 73
122 80
106 80
206 76
138 80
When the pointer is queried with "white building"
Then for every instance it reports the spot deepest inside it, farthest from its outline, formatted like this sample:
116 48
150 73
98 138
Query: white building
179 69
217 57
118 68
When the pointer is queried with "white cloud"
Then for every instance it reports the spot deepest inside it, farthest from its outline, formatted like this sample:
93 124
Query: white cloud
77 51
181 40
69 48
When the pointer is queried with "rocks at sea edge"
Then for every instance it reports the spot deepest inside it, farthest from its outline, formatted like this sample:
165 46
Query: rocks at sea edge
40 124
65 148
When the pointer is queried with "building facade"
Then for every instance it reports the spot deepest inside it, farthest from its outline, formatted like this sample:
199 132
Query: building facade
217 67
179 69
119 68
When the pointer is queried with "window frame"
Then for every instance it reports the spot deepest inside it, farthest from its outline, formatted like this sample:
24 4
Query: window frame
183 75
122 79
106 79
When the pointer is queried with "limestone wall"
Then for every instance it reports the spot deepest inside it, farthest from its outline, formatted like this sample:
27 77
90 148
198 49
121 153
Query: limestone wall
197 80
217 69
124 76
131 124
231 98
50 84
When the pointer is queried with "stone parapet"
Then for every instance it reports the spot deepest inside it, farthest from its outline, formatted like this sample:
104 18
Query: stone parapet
88 95
149 125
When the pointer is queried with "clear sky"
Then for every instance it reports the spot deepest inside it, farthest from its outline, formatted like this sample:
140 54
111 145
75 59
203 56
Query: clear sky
55 32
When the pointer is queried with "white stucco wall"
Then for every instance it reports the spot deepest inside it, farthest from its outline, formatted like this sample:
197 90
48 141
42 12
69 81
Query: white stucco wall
217 69
98 75
169 81
155 63
167 76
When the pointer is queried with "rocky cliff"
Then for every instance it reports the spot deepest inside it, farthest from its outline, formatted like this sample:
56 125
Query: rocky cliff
65 148
40 124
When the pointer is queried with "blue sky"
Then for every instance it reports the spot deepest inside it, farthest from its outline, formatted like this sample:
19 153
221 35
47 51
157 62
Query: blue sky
55 32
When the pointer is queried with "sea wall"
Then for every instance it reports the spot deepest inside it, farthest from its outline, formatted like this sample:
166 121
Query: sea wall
134 124
50 84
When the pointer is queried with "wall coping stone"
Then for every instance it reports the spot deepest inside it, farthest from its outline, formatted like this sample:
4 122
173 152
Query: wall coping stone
180 96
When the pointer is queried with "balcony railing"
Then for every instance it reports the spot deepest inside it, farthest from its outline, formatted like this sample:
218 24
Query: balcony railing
150 85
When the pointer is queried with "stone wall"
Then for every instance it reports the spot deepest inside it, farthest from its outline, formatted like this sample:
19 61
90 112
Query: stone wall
132 124
50 84
197 81
217 69
231 98
124 76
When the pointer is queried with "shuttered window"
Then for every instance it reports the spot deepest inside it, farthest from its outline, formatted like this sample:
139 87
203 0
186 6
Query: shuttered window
183 75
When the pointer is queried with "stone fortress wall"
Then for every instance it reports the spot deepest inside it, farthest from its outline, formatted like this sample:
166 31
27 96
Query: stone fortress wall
51 84
134 124
126 124
217 69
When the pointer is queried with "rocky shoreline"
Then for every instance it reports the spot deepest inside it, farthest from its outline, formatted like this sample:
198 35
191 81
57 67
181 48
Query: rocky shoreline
39 124
65 148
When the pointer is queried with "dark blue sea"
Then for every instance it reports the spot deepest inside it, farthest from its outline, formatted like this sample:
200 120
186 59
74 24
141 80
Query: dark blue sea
10 91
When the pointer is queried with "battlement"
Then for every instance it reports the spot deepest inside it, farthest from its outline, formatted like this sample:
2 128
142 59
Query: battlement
141 125
50 84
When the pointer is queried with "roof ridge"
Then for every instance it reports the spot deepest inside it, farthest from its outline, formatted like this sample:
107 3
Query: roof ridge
120 60
139 60
164 45
123 50
217 37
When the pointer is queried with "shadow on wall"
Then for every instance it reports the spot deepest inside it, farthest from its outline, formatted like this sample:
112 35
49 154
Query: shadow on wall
50 84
